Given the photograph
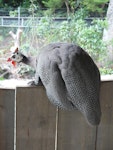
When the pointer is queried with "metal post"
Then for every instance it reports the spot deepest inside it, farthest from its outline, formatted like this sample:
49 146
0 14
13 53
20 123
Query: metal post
18 16
2 21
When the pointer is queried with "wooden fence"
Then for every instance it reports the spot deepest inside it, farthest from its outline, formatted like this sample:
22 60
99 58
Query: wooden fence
38 125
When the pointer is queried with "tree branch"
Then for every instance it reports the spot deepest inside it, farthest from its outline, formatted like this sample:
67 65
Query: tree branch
16 38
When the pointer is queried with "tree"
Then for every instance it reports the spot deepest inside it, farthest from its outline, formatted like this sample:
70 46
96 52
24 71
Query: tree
70 5
108 32
14 3
95 6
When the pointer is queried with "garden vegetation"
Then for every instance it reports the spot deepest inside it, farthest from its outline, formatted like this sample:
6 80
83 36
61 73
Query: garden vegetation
83 25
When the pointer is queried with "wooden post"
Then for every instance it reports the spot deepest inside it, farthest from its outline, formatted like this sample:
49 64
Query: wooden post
7 98
35 120
105 130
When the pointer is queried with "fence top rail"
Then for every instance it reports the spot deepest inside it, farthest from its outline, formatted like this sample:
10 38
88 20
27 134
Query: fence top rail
6 21
11 17
54 18
13 83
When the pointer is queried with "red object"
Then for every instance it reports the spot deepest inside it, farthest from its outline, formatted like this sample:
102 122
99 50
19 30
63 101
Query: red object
9 59
13 62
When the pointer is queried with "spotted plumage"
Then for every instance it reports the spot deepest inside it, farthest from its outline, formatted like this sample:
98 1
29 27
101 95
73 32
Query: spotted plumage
71 79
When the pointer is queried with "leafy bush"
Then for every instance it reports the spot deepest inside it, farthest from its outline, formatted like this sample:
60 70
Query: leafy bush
94 5
75 29
106 70
89 37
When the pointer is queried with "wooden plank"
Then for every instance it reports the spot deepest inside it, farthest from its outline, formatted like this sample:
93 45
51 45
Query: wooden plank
105 130
35 120
74 132
7 119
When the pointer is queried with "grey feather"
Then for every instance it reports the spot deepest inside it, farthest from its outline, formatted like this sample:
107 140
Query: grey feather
71 79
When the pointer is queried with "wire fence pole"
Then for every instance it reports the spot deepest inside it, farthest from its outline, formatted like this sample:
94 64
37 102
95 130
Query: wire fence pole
19 17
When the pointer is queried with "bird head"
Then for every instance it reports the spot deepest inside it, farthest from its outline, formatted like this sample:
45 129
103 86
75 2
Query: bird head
16 57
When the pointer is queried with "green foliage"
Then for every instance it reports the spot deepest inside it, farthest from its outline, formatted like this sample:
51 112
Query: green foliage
26 71
77 31
100 1
81 14
106 70
26 4
94 5
53 7
70 6
74 4
13 13
89 37
53 4
33 6
1 78
13 3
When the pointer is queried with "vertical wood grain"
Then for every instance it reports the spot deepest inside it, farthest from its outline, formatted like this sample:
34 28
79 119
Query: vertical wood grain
7 98
105 130
35 120
74 132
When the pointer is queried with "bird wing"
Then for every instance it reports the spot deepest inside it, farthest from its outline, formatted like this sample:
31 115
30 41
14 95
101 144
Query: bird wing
71 79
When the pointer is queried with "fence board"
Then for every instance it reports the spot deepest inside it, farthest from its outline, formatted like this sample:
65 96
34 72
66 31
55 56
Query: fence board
74 132
105 130
35 120
7 119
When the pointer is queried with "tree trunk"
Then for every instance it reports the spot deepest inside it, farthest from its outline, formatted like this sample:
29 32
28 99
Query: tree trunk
67 7
108 33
